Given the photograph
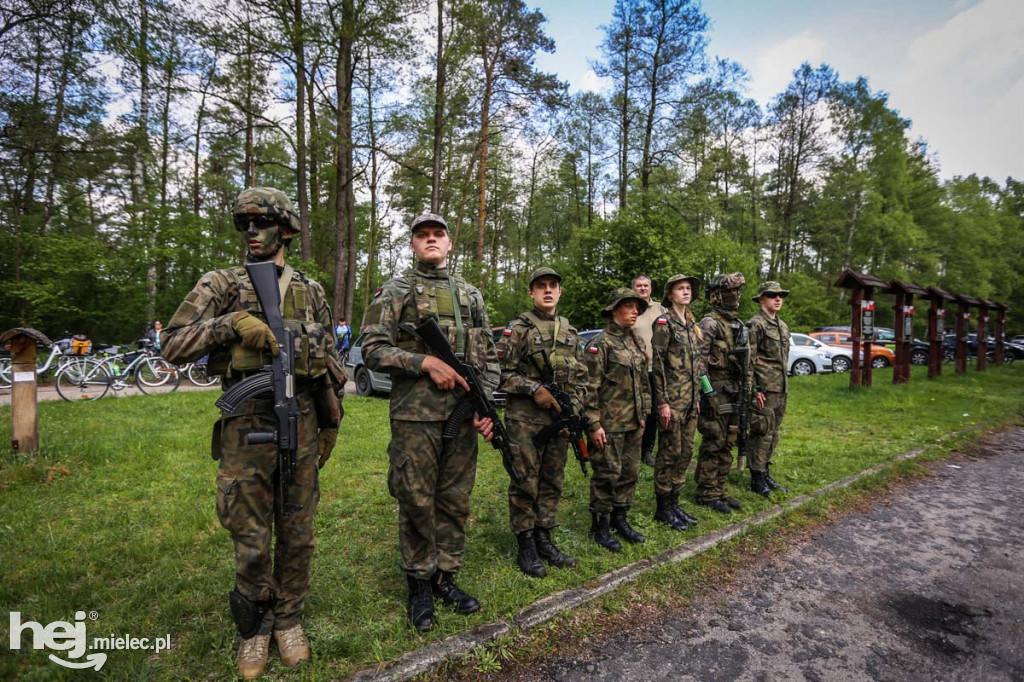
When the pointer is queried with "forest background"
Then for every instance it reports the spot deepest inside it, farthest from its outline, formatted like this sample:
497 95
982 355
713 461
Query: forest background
368 112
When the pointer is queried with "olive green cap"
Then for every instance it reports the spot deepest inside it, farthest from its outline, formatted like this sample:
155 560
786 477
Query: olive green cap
620 296
428 218
770 288
544 272
695 284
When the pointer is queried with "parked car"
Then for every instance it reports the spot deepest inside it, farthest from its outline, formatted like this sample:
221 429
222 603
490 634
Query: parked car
841 361
1017 340
880 355
1011 351
919 350
805 360
367 381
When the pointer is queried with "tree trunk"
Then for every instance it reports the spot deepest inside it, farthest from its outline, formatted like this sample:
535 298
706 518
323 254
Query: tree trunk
439 94
314 142
485 130
370 276
298 46
344 225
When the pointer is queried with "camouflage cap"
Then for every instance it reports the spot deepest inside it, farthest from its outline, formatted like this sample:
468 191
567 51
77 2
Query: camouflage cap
428 218
619 296
544 272
268 201
770 288
675 279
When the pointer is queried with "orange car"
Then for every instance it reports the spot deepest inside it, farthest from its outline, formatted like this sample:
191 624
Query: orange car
880 355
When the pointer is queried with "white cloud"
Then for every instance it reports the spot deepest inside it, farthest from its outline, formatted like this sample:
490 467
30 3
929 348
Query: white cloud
963 85
772 69
593 83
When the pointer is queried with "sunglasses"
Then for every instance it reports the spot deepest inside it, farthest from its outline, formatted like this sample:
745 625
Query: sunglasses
261 222
771 295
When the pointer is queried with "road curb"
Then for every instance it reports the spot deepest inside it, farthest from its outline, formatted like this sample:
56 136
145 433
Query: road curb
425 659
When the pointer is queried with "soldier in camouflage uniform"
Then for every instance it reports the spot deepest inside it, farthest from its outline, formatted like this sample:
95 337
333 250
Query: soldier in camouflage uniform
539 349
222 317
431 480
618 401
725 356
769 345
677 372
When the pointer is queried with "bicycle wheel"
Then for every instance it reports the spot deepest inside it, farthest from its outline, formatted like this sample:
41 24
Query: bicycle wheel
157 373
83 379
5 373
198 376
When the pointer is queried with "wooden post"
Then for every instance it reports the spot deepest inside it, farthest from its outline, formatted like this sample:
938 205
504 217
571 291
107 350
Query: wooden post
1000 332
862 309
936 329
962 330
982 336
856 300
24 416
868 304
900 308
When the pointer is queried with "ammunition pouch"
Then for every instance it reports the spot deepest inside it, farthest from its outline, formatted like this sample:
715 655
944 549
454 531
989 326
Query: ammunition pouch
309 351
247 614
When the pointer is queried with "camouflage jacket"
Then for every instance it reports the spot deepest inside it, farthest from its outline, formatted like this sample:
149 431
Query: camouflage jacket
618 387
769 346
524 344
389 344
724 366
202 326
677 364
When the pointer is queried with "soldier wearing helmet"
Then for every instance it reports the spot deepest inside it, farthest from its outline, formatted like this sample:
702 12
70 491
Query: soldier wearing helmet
618 400
222 317
724 353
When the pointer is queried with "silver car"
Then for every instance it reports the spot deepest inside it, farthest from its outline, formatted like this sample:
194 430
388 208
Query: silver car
813 357
367 382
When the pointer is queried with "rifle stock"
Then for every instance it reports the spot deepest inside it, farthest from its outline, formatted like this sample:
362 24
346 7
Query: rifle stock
477 398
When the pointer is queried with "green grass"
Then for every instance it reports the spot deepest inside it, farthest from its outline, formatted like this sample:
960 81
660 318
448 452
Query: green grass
116 515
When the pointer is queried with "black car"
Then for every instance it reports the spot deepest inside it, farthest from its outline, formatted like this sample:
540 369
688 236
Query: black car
1011 351
885 336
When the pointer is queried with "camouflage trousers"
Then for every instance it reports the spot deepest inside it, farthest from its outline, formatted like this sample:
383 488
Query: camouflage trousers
534 501
714 461
675 452
432 483
247 483
764 431
616 469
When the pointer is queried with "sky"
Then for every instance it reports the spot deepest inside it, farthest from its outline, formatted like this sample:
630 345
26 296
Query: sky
955 68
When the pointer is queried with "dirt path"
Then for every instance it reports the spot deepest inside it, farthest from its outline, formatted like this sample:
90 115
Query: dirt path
928 586
49 391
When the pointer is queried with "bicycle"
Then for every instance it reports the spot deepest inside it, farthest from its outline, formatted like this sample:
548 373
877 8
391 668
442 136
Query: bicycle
196 373
92 378
60 355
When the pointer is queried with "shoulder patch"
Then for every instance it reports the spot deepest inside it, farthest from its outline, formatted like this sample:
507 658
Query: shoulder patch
592 350
378 292
662 320
507 332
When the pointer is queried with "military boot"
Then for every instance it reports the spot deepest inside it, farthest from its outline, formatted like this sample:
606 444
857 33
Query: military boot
772 482
548 551
292 645
621 525
665 515
451 596
601 534
421 604
252 656
758 483
717 505
678 511
648 457
732 502
529 562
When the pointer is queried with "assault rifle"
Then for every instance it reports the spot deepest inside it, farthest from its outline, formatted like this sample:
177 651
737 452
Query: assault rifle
278 378
741 355
476 400
568 419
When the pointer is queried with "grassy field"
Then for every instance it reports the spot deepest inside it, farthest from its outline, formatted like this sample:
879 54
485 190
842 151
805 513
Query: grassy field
116 516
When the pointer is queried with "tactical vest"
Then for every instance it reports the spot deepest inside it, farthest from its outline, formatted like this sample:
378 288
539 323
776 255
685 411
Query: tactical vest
433 298
561 352
722 365
310 337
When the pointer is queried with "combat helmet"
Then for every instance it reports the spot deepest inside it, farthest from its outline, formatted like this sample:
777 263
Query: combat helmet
265 201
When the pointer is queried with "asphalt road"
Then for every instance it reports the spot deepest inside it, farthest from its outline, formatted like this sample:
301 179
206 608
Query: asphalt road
928 585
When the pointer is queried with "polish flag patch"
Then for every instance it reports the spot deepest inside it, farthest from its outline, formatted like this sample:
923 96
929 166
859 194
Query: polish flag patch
662 320
507 332
592 350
